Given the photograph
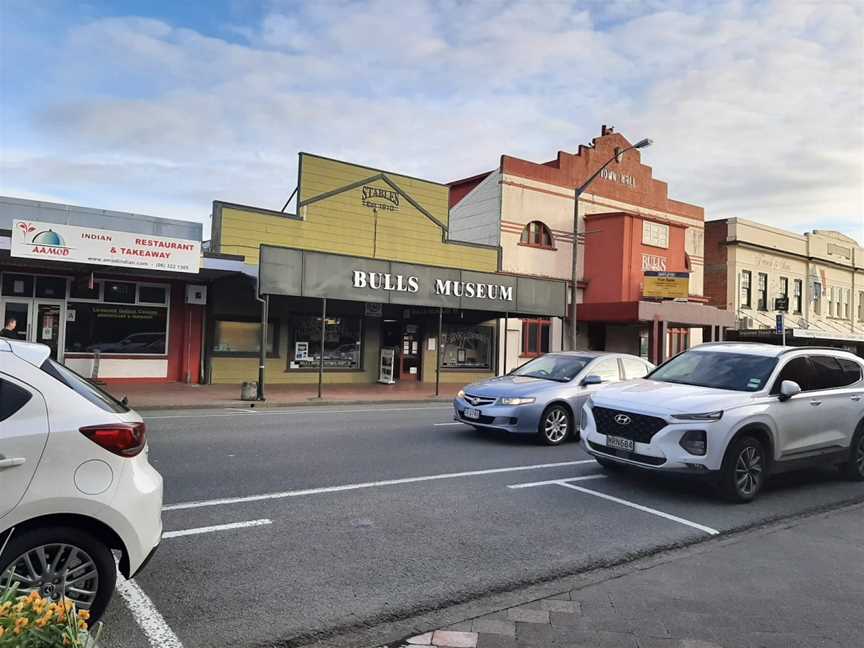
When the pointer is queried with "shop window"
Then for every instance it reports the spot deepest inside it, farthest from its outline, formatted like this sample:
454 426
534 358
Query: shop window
784 291
535 337
343 343
110 328
17 285
81 289
152 294
846 303
797 295
536 234
746 289
655 234
861 306
236 338
119 292
51 287
762 292
467 347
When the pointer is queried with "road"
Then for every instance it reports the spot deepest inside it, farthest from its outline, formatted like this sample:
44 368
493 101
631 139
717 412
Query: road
341 518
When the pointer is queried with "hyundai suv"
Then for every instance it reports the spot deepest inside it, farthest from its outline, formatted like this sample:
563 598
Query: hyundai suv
75 482
736 412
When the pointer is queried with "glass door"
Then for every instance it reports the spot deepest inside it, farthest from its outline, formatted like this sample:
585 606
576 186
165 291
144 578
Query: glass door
410 356
16 320
49 327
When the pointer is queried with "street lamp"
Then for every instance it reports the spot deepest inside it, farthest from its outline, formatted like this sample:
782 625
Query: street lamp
574 270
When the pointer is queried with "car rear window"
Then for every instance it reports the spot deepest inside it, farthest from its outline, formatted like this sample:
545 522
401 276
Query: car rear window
99 397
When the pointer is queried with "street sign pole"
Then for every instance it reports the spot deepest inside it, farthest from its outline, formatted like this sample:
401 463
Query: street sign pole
781 327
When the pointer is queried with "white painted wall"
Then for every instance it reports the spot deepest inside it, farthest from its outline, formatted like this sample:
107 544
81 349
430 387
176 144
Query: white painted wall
476 217
121 367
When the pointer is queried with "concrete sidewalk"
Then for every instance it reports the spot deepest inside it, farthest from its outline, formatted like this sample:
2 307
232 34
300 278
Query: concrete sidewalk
144 396
799 584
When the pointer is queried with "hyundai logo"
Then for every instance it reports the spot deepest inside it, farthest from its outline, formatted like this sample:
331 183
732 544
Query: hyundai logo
622 419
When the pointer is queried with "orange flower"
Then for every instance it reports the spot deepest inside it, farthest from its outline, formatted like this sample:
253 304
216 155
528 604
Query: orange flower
84 614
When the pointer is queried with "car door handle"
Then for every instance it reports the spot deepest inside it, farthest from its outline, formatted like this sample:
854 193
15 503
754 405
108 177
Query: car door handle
815 403
855 398
11 462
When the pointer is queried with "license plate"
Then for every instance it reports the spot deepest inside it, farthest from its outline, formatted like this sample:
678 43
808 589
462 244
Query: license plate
620 444
472 413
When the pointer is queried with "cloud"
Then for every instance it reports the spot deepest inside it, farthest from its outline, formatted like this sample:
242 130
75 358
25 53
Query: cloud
756 108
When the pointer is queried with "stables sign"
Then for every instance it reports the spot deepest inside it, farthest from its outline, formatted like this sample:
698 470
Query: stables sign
378 198
36 240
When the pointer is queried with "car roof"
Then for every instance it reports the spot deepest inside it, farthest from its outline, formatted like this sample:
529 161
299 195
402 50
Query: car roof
35 354
763 349
590 354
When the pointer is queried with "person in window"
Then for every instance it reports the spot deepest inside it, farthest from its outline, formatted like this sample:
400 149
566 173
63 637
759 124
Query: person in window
9 331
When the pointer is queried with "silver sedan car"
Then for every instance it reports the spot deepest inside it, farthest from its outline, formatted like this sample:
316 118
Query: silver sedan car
543 396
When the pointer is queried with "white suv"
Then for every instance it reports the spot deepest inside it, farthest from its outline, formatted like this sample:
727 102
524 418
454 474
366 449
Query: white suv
75 482
737 412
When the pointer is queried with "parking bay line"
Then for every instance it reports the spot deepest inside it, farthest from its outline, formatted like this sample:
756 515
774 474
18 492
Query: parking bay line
159 634
363 485
639 507
320 410
217 527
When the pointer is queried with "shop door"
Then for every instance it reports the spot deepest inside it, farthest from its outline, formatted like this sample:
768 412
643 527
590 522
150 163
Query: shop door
49 327
20 312
410 353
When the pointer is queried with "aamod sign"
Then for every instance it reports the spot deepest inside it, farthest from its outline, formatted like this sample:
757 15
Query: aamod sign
37 240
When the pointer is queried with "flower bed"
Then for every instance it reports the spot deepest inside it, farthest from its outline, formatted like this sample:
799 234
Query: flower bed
34 622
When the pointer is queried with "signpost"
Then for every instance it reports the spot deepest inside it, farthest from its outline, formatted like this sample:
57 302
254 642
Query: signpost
781 326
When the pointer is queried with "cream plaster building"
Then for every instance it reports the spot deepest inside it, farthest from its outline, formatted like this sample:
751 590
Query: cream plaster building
751 267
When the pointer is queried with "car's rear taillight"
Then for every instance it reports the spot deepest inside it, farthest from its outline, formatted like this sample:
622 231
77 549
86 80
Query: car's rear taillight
124 439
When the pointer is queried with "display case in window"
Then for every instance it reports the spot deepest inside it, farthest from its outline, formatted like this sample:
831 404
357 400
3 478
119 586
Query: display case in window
466 347
342 343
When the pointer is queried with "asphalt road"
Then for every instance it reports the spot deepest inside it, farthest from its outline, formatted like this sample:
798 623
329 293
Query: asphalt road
351 517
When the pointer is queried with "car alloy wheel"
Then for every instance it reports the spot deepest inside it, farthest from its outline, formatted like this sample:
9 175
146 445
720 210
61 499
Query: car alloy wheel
556 425
859 459
749 468
55 571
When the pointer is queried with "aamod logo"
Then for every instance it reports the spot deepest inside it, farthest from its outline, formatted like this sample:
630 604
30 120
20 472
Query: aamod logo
47 242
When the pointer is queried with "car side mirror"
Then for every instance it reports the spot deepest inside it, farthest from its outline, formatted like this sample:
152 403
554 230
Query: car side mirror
591 379
788 388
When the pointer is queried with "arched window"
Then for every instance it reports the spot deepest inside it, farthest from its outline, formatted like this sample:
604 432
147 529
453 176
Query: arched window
536 234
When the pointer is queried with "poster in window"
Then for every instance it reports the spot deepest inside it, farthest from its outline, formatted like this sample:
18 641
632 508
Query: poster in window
460 355
301 351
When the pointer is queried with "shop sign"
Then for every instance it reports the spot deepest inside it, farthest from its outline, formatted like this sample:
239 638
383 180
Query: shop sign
37 240
653 262
666 285
378 198
446 287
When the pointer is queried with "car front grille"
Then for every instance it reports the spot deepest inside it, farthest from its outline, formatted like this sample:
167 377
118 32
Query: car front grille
478 401
624 454
636 427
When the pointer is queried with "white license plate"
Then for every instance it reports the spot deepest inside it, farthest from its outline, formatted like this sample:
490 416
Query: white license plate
472 413
620 444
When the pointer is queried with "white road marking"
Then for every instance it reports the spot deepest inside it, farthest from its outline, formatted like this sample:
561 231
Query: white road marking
159 634
350 487
217 527
443 424
639 507
556 481
242 411
320 410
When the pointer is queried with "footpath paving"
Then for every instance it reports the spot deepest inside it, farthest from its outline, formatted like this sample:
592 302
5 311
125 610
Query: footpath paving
143 396
796 585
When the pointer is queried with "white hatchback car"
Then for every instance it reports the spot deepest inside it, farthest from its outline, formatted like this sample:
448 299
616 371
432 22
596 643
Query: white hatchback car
737 412
75 482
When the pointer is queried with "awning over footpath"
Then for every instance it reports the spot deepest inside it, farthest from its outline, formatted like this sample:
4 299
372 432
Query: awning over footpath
680 313
303 273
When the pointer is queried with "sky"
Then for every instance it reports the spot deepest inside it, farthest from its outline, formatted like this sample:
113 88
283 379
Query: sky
756 109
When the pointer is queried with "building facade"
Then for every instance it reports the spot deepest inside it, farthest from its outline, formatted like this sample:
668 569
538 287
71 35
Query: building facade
116 296
362 284
627 226
815 280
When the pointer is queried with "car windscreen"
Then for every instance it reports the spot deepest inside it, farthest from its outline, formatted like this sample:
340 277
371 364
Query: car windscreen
99 397
719 370
553 367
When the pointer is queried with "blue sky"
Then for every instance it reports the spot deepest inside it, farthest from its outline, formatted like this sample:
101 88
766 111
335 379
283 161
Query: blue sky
161 107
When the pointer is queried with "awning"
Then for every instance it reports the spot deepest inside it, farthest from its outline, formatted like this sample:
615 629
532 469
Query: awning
303 273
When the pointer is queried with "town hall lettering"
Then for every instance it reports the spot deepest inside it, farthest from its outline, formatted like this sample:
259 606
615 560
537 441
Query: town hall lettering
447 287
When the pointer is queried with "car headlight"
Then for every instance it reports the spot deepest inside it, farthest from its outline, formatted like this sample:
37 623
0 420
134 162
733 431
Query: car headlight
514 400
460 393
705 416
